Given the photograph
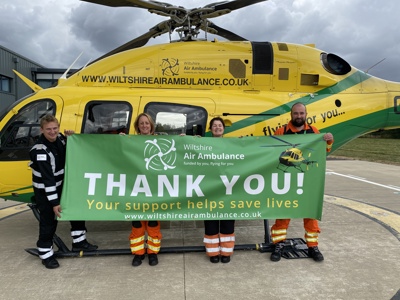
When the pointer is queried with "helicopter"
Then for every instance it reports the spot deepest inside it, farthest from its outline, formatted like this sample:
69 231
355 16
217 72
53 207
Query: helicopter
183 84
292 157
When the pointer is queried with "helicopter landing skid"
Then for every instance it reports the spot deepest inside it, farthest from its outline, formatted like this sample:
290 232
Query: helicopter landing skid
284 169
294 248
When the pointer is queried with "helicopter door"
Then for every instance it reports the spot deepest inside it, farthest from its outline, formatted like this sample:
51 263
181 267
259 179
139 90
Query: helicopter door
16 139
177 117
285 69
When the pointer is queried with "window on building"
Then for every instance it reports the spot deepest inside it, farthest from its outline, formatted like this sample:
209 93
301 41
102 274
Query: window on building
46 80
5 84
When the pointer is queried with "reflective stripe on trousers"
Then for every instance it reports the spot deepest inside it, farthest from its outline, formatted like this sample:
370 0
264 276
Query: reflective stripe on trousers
45 252
211 242
78 236
278 235
311 238
223 244
227 242
279 229
137 239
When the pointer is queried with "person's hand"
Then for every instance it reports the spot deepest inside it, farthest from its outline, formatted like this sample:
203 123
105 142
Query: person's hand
122 133
57 210
68 132
328 137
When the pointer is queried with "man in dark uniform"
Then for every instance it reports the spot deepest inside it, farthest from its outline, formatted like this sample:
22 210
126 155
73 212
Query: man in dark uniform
47 163
298 125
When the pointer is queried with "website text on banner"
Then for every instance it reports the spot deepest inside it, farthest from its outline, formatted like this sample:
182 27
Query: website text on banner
114 177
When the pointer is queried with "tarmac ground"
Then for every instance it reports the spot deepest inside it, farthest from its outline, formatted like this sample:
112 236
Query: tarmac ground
360 241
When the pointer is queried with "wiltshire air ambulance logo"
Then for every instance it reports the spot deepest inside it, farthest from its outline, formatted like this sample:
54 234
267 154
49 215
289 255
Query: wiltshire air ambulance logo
292 157
170 66
160 154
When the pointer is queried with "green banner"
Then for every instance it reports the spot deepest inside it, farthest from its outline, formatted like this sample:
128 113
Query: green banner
117 177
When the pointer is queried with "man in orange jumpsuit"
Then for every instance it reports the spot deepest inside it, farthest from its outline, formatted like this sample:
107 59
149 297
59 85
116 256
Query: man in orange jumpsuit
298 125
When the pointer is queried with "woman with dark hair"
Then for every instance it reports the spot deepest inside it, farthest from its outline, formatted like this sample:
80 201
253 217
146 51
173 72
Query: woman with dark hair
219 237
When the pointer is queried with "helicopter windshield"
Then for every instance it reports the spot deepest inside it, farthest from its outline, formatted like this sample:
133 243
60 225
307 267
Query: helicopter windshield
23 130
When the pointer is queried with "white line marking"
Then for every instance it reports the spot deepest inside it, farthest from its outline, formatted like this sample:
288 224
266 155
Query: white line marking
366 181
398 187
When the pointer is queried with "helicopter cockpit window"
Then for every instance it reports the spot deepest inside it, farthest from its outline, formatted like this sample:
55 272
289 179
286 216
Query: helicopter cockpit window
334 64
170 123
23 130
107 117
173 119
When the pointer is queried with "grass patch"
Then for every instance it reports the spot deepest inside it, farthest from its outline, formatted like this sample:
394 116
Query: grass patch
371 149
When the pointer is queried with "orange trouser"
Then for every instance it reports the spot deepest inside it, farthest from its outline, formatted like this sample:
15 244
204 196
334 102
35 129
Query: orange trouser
279 231
219 244
137 238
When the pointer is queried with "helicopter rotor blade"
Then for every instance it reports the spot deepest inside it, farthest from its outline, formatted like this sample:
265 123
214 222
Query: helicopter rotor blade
140 41
283 141
186 22
159 8
214 29
133 3
233 5
166 7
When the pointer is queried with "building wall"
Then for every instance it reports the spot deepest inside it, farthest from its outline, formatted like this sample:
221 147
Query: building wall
10 61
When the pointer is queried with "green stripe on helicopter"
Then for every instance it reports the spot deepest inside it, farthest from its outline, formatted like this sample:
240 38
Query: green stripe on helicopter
341 86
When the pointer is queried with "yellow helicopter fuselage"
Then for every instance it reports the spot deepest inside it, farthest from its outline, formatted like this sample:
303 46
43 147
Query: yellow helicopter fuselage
182 85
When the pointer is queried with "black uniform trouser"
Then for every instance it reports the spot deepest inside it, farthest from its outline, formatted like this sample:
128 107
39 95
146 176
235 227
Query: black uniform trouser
212 227
48 224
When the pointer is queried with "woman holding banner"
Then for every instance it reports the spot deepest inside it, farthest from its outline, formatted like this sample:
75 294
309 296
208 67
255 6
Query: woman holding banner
144 125
219 237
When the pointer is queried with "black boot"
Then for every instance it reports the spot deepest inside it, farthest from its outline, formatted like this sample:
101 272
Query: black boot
214 259
50 262
137 260
225 259
83 246
153 260
315 253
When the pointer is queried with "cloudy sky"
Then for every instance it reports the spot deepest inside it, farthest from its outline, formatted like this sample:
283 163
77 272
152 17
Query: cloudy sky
54 32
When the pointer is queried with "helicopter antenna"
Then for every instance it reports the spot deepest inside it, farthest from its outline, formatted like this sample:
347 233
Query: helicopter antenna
64 76
375 65
86 63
